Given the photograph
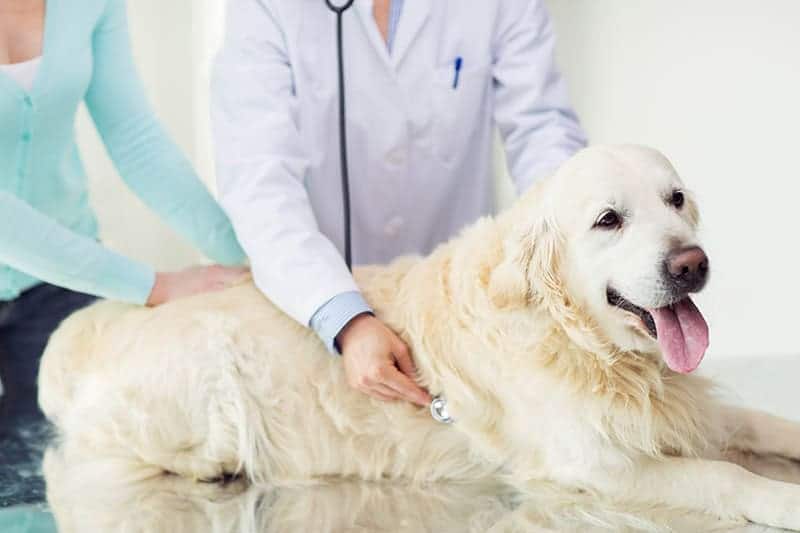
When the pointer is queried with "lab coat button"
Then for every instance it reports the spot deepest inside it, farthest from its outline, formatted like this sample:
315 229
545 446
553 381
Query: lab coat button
28 101
26 137
394 226
396 157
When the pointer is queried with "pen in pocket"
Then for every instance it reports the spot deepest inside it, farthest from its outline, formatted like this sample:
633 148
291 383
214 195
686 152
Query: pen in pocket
457 67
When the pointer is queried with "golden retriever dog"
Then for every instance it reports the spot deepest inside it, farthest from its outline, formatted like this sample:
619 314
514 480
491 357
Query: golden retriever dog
560 333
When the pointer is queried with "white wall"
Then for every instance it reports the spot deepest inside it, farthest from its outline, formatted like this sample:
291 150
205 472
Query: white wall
713 84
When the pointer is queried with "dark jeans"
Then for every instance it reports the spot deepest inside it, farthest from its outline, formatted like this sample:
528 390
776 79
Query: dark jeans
26 324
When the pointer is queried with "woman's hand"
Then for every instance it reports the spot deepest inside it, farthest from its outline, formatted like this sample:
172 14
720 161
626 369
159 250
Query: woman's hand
378 363
195 280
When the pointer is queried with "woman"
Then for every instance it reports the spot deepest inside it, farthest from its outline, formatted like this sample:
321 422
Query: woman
53 56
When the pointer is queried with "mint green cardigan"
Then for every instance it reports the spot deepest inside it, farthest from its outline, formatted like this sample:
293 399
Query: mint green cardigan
48 231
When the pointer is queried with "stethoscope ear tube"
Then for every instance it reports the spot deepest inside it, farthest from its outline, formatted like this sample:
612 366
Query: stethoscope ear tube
339 10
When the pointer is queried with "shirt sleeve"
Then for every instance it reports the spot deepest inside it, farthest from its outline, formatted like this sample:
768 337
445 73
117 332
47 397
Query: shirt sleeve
146 158
262 164
59 256
333 316
539 128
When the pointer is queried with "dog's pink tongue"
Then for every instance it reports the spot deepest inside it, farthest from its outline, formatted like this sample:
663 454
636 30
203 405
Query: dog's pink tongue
682 335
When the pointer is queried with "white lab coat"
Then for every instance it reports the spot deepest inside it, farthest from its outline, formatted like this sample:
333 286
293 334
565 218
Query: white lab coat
420 151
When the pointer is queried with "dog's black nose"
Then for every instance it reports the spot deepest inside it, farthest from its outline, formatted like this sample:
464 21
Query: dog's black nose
688 268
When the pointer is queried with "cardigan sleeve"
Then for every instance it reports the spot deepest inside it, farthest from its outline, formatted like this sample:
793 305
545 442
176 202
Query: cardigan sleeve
146 158
59 256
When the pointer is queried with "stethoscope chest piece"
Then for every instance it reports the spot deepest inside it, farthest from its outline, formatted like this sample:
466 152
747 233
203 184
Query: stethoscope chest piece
439 411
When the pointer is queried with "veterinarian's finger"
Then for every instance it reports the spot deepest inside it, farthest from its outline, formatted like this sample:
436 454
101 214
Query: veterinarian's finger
385 393
407 389
404 361
407 367
381 397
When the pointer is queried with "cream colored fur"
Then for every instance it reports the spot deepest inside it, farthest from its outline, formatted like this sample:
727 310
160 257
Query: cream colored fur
508 321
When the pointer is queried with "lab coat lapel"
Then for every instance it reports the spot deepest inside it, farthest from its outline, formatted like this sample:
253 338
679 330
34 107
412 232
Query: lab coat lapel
364 8
412 19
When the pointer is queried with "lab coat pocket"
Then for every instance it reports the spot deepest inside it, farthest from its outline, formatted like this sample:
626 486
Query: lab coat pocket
460 102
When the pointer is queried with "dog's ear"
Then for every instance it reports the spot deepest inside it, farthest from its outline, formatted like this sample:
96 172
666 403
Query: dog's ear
528 264
508 281
544 274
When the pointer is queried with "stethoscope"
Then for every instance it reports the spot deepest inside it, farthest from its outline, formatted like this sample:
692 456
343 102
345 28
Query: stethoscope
438 407
339 10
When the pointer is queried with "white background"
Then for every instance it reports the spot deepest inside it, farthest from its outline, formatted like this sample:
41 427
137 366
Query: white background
713 84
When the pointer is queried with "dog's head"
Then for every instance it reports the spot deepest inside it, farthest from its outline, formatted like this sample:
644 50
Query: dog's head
609 245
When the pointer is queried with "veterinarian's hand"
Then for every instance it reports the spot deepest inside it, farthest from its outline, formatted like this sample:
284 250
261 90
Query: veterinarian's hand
173 285
377 362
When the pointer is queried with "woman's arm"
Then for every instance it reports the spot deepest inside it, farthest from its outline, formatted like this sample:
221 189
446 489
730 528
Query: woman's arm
33 243
146 158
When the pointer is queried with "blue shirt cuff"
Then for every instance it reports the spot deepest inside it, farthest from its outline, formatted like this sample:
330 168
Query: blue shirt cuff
329 320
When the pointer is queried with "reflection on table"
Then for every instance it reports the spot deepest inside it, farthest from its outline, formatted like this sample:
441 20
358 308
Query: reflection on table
85 496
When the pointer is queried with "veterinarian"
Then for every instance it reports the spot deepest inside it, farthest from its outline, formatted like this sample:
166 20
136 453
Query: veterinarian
427 82
53 56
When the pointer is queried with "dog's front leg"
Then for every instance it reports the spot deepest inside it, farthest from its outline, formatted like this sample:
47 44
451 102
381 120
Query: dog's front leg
723 489
753 431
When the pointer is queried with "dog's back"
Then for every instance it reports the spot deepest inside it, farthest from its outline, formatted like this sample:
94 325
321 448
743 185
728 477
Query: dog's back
225 383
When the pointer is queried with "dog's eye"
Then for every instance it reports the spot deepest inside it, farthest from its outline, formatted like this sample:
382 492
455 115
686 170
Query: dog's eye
677 199
608 220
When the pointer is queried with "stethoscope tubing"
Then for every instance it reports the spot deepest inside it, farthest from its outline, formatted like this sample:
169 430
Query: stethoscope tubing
339 10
